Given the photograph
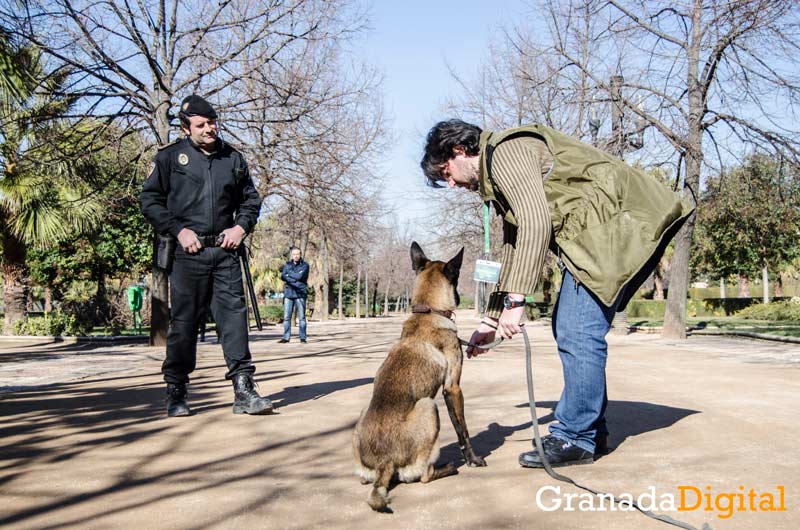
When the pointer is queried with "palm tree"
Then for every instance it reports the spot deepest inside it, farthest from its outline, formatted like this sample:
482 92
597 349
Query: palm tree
41 198
10 74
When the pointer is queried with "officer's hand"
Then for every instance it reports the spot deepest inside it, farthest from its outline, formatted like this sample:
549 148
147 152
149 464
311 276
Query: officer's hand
509 323
233 237
188 240
483 335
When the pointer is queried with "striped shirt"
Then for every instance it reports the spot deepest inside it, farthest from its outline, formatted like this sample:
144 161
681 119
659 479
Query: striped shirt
519 167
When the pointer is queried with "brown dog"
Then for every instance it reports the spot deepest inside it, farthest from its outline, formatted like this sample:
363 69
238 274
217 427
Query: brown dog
397 432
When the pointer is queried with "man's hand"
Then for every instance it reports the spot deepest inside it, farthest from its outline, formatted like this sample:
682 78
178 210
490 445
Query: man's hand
233 237
188 240
483 335
508 325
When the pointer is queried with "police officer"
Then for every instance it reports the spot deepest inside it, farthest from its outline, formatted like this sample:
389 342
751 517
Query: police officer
200 192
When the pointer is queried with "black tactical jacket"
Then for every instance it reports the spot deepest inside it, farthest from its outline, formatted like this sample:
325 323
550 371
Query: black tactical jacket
205 193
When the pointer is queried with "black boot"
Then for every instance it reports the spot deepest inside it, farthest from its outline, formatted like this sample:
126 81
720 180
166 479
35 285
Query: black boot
246 399
176 400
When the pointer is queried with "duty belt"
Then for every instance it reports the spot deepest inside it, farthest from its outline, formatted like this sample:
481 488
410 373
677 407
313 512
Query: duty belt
211 241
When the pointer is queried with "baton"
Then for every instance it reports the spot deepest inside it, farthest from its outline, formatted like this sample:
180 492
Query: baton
249 280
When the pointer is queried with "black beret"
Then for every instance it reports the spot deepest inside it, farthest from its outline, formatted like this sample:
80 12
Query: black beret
194 105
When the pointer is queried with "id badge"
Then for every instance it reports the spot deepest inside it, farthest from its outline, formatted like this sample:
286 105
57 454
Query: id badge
487 271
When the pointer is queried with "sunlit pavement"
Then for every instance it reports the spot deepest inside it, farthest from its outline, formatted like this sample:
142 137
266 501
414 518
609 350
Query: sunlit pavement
84 443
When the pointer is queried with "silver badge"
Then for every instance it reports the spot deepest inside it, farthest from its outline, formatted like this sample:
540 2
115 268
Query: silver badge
183 159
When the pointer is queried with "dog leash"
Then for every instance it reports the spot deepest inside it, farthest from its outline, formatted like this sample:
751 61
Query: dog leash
540 449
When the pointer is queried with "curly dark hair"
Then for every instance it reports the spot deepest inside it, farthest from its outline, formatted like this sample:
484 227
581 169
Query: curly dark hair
440 142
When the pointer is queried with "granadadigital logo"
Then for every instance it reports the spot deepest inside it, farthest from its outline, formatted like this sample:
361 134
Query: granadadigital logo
686 499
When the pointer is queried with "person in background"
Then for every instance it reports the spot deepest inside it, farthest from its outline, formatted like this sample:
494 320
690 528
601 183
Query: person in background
295 276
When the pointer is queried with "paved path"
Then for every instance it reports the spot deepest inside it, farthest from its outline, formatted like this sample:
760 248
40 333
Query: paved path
84 443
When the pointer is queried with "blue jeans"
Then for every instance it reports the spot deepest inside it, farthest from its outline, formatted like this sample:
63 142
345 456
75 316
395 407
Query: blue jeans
580 325
299 305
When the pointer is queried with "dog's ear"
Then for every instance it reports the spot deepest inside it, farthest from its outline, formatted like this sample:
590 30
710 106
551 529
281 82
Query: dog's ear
453 267
418 259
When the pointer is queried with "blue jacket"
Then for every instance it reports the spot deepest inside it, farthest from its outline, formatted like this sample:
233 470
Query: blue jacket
296 277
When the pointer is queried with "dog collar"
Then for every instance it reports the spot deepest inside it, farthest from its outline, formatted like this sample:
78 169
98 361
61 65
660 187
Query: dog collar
422 308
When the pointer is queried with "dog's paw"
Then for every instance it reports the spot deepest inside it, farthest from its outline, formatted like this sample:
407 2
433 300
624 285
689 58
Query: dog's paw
476 461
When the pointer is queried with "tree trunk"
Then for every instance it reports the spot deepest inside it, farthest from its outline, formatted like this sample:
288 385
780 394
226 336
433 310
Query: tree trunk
159 289
15 280
159 302
778 285
101 298
477 301
744 286
386 301
325 266
675 316
765 281
366 294
723 292
341 281
358 292
48 299
658 283
375 300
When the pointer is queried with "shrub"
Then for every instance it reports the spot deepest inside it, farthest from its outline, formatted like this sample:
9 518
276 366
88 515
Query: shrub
784 310
272 313
647 308
56 324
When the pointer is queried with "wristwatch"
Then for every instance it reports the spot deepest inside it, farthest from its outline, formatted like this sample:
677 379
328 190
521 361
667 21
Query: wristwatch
508 303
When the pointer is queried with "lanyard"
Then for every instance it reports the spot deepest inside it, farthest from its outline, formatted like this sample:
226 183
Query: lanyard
487 247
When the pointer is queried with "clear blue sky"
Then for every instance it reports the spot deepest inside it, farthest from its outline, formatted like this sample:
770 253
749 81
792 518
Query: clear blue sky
412 43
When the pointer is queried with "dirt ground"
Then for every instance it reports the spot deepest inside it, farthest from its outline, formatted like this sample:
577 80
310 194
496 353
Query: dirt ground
85 444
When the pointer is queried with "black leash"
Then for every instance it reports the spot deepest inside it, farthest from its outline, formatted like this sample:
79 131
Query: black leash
539 448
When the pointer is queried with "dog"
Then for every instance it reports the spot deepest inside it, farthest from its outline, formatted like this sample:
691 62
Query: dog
396 434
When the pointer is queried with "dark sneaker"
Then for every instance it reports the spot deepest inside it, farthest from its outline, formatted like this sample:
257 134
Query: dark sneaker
246 398
283 341
176 400
558 453
304 341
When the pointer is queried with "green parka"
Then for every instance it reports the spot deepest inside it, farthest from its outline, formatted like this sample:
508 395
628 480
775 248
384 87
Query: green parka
611 222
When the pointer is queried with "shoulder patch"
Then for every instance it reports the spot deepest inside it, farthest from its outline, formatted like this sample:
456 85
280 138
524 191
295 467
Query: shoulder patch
183 159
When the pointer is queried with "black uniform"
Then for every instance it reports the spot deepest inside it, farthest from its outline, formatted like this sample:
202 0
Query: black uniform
207 194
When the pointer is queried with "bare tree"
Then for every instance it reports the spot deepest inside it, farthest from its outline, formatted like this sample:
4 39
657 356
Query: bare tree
698 74
710 81
132 62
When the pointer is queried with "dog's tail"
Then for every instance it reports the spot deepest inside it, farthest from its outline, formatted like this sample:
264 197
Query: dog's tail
379 496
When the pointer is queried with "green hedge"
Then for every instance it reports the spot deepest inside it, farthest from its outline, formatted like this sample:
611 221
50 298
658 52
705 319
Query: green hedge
781 310
707 307
55 324
646 308
271 313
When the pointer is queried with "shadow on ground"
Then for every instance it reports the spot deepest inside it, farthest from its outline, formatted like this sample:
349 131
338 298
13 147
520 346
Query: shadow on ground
626 418
113 414
297 394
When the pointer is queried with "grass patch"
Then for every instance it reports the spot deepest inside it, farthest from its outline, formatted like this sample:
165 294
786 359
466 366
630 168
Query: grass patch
781 328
